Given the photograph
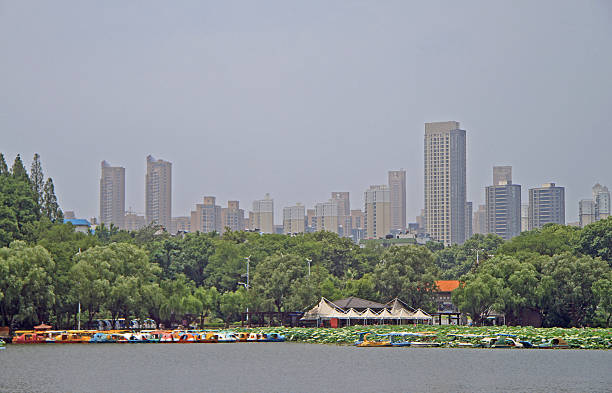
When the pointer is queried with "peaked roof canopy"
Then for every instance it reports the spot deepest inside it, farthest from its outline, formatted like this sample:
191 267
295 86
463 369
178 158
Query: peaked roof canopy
357 303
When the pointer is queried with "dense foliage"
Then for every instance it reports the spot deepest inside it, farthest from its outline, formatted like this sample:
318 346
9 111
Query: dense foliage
47 269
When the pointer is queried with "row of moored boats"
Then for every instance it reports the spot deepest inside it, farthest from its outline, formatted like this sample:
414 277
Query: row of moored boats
144 336
430 339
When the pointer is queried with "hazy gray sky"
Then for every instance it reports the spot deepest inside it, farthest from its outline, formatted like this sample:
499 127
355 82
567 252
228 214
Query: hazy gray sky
299 99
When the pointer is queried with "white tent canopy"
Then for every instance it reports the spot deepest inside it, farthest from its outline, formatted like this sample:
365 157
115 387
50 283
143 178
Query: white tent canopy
421 315
394 310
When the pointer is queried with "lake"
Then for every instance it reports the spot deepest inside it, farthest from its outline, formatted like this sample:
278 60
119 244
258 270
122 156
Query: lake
291 367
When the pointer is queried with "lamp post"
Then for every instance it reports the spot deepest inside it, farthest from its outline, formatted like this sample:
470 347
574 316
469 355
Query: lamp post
308 260
477 251
79 319
247 285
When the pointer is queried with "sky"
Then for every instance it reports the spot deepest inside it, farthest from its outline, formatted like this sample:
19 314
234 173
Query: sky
299 99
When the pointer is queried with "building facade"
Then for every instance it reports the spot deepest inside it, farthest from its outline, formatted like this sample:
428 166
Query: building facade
294 219
601 197
344 212
180 224
326 214
262 216
586 212
468 220
479 220
445 181
503 204
546 205
524 217
158 192
133 222
112 195
377 211
232 217
207 216
397 189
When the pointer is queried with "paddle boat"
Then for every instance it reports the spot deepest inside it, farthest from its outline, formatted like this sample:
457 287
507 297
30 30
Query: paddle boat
256 337
72 337
208 337
274 337
368 341
100 338
226 337
29 337
554 343
424 339
242 336
506 342
399 339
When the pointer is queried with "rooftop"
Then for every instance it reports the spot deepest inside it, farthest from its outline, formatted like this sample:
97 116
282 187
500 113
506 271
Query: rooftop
447 285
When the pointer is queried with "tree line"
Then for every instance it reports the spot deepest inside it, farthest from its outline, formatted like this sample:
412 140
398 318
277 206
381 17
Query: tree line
47 269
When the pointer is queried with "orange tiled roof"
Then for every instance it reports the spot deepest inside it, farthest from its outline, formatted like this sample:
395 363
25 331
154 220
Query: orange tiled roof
447 285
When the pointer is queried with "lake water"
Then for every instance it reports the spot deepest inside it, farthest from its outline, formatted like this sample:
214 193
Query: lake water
291 367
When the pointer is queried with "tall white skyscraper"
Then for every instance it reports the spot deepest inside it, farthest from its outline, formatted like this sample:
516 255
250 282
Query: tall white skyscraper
112 195
397 188
262 216
445 181
158 192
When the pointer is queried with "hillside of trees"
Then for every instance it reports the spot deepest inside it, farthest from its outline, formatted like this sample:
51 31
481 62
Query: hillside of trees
47 269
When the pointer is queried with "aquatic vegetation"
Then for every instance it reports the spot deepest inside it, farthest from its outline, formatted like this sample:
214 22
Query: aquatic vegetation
580 338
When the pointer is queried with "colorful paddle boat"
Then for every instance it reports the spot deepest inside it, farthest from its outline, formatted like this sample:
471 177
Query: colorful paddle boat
554 343
28 337
274 337
399 339
369 341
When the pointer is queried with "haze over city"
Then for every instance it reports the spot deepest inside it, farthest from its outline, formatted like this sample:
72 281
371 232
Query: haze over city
299 100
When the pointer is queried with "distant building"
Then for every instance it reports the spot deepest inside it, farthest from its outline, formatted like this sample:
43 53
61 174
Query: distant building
158 192
503 204
421 222
357 219
479 220
377 211
112 195
524 217
207 216
445 181
80 225
180 224
586 212
133 222
232 217
278 229
293 219
344 212
468 220
397 190
311 220
262 216
326 214
69 214
546 205
601 197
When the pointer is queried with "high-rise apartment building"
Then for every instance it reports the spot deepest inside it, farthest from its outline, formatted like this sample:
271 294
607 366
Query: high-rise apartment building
546 205
601 197
445 181
262 216
158 192
468 220
357 219
232 217
326 214
479 220
378 211
112 195
294 218
311 220
503 204
344 212
397 189
586 212
207 216
524 217
180 224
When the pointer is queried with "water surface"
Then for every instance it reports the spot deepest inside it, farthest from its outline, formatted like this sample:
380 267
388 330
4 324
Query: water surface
290 367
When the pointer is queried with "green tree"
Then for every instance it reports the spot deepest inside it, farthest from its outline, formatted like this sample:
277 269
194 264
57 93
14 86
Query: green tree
3 167
275 276
18 210
90 278
26 289
602 289
18 170
209 300
50 207
477 296
596 240
549 240
409 273
232 305
37 178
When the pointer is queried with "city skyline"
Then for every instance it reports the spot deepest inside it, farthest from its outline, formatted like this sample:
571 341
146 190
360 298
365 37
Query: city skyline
215 96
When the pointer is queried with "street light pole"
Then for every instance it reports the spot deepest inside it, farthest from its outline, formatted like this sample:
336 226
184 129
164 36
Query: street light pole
308 260
248 260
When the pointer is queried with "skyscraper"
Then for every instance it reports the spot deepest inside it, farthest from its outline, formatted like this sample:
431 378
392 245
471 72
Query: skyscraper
445 184
326 214
207 216
503 204
397 188
601 197
586 212
468 220
262 216
232 217
180 224
294 218
344 212
158 192
480 220
377 211
112 195
524 217
546 205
